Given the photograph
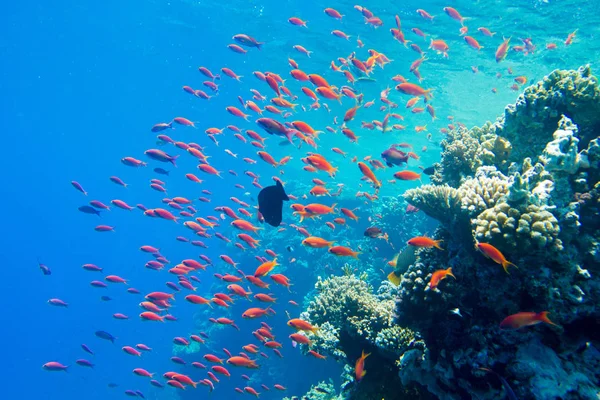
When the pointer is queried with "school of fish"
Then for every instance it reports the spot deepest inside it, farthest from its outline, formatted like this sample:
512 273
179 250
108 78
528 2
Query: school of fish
275 106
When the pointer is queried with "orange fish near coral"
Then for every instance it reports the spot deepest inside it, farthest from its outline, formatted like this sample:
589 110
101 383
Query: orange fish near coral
424 241
342 251
438 276
493 253
359 368
519 320
316 242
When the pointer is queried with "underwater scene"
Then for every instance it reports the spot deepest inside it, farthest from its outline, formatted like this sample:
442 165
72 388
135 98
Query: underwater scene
309 200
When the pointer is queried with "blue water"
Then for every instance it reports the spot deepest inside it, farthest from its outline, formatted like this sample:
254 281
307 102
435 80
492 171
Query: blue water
83 83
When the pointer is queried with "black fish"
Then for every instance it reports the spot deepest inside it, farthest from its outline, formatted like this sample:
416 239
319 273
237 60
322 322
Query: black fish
373 232
105 335
321 390
429 170
45 269
87 349
161 171
105 298
270 203
89 210
113 385
140 394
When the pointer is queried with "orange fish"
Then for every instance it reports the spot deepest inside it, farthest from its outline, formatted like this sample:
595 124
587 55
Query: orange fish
319 191
342 251
570 38
522 319
245 225
317 242
265 268
407 175
257 312
491 252
366 171
238 361
440 46
412 89
301 325
424 241
502 50
471 41
359 368
328 93
438 276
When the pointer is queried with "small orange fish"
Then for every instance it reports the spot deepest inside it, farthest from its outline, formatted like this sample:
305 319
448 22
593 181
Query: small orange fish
301 325
342 251
359 368
438 276
521 80
570 38
407 175
502 50
424 241
366 171
265 268
316 242
519 320
493 253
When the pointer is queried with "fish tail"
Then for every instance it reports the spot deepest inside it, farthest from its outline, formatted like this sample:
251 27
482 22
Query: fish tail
543 316
437 244
506 264
449 272
355 254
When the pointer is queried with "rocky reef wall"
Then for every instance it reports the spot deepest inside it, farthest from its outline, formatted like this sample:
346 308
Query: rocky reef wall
527 184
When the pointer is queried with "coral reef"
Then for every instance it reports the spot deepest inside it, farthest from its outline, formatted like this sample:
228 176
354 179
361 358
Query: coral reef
527 184
351 318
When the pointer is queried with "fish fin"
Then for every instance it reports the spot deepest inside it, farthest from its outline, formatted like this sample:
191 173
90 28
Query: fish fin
543 316
506 264
437 244
393 278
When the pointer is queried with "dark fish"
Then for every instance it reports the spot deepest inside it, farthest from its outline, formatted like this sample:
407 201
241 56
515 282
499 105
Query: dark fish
113 385
161 127
105 335
45 269
393 156
140 394
106 298
84 363
131 393
87 349
156 383
178 360
161 171
509 392
321 390
373 232
78 186
89 210
289 248
429 170
270 203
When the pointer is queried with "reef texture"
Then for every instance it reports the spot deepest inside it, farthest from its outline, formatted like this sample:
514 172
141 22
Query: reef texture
528 184
351 318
